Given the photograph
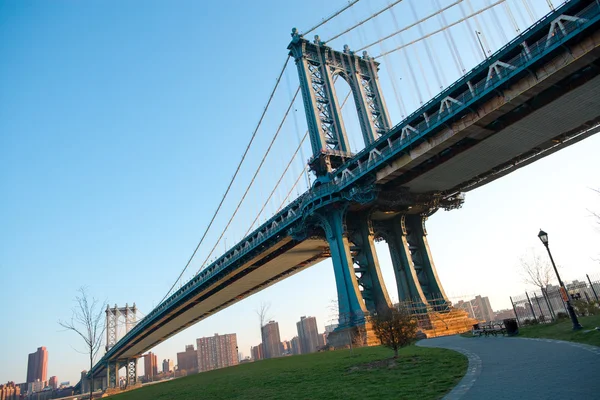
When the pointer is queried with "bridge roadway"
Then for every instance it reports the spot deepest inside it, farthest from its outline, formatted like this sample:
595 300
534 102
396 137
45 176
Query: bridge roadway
538 94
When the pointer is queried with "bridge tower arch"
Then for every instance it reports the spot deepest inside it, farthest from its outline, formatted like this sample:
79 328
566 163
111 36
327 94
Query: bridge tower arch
317 67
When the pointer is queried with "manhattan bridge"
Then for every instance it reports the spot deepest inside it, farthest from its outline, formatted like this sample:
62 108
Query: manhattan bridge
516 103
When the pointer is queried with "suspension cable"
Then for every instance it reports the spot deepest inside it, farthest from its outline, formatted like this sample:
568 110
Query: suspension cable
237 170
364 20
443 28
326 20
251 181
277 184
407 27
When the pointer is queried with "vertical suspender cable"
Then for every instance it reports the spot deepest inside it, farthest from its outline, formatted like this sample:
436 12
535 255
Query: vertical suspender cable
528 9
433 63
478 29
511 17
417 90
451 43
501 31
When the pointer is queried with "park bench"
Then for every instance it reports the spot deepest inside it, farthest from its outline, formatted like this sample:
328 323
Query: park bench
493 328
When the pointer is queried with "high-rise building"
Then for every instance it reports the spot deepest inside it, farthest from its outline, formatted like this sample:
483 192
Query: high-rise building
150 366
296 349
188 360
257 352
271 340
217 351
308 334
37 365
53 382
167 366
322 339
10 391
478 308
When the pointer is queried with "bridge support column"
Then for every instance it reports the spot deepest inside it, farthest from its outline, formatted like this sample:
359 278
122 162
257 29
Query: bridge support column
366 263
352 310
131 372
416 277
112 374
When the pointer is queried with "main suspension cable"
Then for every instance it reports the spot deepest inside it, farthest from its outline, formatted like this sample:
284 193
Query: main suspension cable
443 28
364 20
326 20
407 27
251 181
237 170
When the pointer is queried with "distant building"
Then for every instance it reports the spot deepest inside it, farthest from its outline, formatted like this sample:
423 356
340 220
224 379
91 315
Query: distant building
37 365
218 351
167 366
150 366
53 382
10 391
257 352
271 340
322 339
308 334
37 386
296 349
504 314
188 360
478 308
330 328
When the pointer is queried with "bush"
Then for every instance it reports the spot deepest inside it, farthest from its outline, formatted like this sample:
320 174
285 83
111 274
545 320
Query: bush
562 315
395 328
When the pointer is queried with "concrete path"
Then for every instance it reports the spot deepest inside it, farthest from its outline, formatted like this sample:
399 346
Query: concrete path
520 368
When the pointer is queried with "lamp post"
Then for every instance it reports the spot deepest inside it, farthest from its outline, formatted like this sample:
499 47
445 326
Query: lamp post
576 325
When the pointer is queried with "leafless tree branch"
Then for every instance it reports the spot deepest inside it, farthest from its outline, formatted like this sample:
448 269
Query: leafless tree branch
87 322
535 270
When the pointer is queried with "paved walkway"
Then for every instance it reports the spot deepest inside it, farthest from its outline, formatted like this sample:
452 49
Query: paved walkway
519 368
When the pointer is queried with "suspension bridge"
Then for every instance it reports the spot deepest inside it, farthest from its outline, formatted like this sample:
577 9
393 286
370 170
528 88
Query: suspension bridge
536 94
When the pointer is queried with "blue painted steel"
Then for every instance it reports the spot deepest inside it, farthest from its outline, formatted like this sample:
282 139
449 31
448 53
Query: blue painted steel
331 192
352 310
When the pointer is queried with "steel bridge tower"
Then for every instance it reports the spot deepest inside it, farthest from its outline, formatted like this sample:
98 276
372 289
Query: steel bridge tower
116 317
352 225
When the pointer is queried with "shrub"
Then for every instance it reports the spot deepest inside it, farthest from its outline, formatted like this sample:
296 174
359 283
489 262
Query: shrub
395 328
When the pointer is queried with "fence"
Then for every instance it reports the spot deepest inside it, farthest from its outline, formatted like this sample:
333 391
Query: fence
547 305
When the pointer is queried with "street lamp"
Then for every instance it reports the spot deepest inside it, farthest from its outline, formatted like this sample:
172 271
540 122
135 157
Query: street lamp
576 325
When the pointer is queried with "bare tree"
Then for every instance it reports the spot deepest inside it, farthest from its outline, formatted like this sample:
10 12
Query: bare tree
263 318
87 321
263 313
535 270
395 327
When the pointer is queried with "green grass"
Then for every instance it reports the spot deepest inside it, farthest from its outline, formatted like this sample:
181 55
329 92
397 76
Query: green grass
563 330
418 373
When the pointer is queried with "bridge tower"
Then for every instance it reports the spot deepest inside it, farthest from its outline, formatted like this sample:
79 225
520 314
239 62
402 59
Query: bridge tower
349 224
115 317
318 67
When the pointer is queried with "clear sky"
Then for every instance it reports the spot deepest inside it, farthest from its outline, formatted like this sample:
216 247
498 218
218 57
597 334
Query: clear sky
121 124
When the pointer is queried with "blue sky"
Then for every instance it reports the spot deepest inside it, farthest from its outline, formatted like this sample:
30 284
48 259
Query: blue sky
121 124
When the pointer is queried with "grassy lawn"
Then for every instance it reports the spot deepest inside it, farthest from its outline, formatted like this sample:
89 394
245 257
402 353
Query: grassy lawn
418 373
563 330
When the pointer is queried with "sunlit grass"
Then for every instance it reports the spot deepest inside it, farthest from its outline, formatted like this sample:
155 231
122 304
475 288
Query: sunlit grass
367 373
563 330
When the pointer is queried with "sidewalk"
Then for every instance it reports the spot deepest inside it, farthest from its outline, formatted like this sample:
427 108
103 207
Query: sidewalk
520 368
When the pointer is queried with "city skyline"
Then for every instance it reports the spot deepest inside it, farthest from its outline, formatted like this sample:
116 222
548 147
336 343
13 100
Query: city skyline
114 159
